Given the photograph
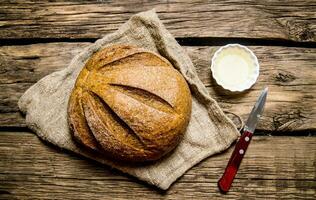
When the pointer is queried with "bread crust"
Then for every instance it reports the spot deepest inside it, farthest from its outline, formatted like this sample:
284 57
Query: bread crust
129 104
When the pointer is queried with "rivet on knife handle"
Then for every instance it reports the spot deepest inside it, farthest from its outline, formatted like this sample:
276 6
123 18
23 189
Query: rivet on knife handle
232 167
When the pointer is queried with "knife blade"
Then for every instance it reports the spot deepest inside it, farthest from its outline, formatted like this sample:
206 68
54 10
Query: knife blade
226 180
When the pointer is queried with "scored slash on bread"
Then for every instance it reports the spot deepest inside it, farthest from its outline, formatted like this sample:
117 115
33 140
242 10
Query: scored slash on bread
129 104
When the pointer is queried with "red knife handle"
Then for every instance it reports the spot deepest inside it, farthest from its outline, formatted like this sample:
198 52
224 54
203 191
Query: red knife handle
225 182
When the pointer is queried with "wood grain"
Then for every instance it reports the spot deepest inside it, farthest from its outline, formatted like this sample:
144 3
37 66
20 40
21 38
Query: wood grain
291 77
289 72
283 20
274 167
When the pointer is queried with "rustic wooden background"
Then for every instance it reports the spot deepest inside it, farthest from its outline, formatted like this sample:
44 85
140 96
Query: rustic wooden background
39 37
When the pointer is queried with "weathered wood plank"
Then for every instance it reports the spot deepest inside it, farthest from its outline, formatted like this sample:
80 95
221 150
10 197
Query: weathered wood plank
289 72
22 66
286 20
274 167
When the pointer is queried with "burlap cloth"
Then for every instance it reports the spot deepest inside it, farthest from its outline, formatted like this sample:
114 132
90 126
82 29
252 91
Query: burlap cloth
209 131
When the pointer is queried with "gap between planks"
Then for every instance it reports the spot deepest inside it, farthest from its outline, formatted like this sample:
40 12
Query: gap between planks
184 41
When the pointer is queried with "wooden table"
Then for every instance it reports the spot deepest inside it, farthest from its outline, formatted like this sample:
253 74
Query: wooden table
38 38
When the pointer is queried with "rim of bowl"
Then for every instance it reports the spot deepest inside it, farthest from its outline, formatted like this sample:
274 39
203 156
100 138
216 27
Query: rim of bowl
246 85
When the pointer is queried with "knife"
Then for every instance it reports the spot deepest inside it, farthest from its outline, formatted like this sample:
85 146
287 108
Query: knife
226 180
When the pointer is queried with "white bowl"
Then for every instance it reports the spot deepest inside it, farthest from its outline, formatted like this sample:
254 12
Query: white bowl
235 67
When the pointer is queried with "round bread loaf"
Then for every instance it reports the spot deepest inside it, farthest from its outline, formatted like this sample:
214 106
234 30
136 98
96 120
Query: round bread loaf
129 104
